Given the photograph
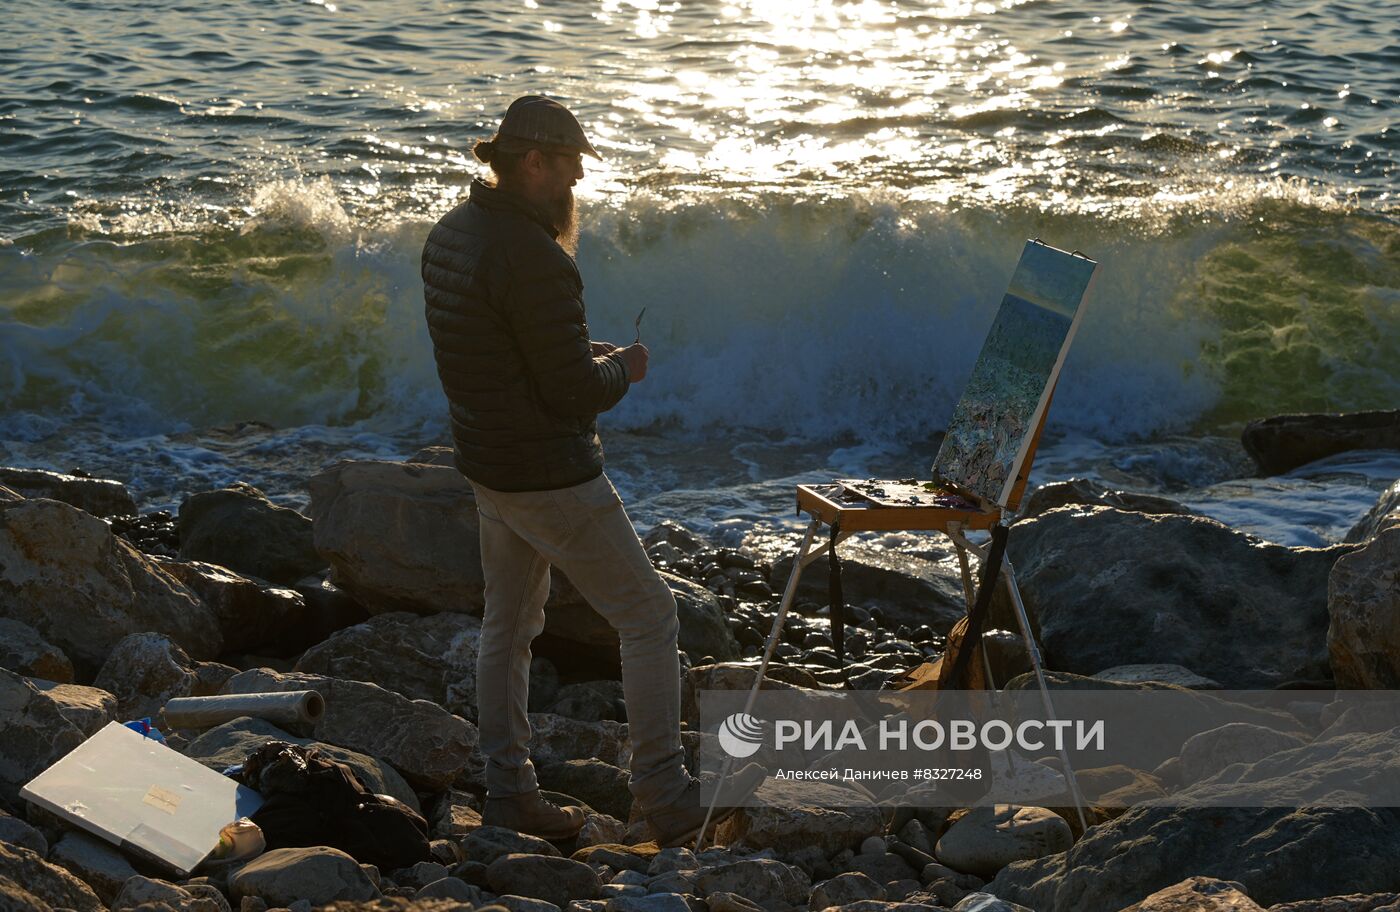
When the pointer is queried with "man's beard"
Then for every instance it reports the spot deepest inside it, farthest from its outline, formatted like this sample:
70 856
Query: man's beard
564 217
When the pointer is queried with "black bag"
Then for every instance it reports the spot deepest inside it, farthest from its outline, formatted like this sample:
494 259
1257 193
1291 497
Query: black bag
312 800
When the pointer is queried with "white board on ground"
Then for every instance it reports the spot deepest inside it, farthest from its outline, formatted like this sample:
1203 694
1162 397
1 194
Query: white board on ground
142 796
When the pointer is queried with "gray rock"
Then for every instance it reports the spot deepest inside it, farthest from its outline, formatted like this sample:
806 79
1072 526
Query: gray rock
420 875
883 867
457 814
25 652
1352 902
17 832
256 618
789 815
1363 602
47 882
1160 673
765 881
1208 753
40 722
590 701
139 889
239 528
1198 894
523 904
1278 854
653 902
602 785
428 745
844 888
1084 492
1385 514
547 877
83 589
144 671
423 658
231 743
1177 589
555 739
450 888
1285 442
488 843
400 536
319 875
987 839
98 496
94 862
601 829
986 902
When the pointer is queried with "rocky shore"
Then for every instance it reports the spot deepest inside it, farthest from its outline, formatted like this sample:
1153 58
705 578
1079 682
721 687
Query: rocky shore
374 599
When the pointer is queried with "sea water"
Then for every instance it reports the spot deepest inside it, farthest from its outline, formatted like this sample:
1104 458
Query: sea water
211 217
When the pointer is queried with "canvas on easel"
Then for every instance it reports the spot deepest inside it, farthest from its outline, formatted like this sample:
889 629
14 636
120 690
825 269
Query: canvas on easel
1001 408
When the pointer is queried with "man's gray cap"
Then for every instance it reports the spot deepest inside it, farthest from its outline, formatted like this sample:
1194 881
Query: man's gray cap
544 120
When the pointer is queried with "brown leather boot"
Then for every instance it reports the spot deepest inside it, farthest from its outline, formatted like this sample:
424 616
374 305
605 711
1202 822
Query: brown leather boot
531 814
679 822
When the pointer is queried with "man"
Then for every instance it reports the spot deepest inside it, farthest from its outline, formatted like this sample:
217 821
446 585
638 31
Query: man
525 383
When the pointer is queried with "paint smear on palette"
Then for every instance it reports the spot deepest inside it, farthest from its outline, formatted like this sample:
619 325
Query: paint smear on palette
992 425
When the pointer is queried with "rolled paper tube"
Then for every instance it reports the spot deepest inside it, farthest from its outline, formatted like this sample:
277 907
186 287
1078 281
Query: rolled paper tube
289 708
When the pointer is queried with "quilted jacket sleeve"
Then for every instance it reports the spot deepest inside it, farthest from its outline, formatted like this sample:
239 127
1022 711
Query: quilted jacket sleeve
547 319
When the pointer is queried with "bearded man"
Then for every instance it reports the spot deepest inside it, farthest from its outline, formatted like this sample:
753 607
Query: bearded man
525 384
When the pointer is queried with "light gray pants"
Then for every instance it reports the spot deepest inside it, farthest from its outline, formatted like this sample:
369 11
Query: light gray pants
585 532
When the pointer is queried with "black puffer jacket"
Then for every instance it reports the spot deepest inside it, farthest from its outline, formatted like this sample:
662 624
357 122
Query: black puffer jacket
505 312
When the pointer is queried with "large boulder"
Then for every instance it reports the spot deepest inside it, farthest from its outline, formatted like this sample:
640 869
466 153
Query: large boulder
232 743
703 631
48 883
1178 713
788 816
1209 752
1383 515
98 496
431 747
83 589
1108 587
400 536
1198 894
24 651
547 877
1278 854
1363 601
423 658
317 874
144 672
239 528
987 839
1084 492
1285 442
256 618
40 722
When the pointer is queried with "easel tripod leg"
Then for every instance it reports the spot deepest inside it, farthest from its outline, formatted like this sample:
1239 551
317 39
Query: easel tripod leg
799 562
1024 621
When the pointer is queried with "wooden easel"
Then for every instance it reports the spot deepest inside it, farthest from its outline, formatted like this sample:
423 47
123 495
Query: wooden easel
845 511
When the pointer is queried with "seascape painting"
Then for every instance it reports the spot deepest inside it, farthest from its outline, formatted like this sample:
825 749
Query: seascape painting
1001 405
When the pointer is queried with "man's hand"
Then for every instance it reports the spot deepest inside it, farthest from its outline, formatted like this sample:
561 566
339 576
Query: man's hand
602 348
635 357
